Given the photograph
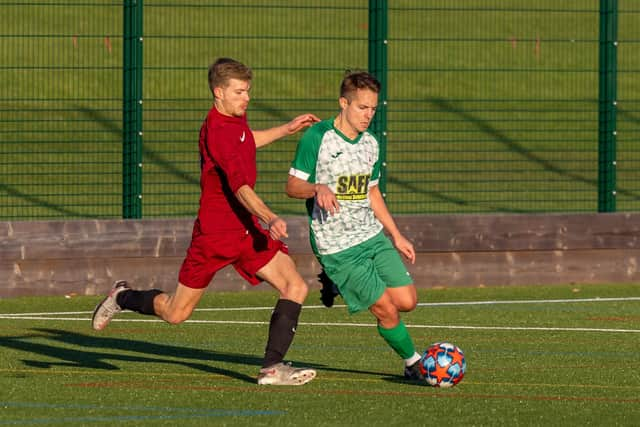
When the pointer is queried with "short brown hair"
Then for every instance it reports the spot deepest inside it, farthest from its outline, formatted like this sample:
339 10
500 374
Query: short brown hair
226 68
354 80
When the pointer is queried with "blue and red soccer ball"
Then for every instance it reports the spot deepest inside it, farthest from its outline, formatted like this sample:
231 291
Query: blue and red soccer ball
443 365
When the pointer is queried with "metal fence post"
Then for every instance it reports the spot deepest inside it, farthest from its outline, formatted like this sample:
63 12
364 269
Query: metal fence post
378 10
607 106
132 110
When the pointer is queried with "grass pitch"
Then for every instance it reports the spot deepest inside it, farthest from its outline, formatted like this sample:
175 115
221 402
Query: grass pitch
564 355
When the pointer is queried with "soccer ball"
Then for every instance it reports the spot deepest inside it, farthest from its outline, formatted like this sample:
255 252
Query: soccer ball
443 365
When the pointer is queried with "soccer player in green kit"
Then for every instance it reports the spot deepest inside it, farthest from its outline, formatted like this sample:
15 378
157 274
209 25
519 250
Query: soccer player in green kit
336 169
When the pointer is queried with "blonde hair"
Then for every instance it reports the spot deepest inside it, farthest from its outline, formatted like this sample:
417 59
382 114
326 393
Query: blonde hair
224 69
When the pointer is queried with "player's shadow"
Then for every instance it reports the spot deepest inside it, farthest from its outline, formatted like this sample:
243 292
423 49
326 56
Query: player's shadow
71 349
78 350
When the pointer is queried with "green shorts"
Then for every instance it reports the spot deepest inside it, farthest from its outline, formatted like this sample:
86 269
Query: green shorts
363 272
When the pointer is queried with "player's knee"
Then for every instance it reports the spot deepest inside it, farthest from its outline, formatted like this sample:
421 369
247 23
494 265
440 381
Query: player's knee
407 304
297 290
177 316
406 299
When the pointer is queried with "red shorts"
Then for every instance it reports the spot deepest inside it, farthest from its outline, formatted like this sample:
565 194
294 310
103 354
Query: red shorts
247 251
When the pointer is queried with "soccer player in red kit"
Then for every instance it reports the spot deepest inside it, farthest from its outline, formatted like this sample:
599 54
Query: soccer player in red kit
227 230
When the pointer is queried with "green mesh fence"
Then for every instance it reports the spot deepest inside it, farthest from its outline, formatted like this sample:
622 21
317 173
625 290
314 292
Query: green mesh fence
492 105
60 109
498 111
628 117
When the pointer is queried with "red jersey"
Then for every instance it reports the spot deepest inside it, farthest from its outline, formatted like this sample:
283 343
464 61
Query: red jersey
227 162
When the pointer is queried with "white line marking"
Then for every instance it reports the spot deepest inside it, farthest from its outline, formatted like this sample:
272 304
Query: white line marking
423 304
341 324
52 313
538 301
50 316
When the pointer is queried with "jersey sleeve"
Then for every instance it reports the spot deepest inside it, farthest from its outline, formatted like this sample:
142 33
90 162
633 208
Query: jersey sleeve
306 157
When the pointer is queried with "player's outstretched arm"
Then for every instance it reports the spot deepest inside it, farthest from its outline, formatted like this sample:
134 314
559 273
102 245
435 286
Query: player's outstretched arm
267 136
254 204
380 210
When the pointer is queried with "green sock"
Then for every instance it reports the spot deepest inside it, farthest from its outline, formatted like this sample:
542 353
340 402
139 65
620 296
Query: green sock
398 339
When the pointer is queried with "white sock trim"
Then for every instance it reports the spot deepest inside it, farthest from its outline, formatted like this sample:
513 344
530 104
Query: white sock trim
413 359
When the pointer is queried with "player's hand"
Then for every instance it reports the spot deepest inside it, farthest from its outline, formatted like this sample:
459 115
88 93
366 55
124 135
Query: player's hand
405 247
301 122
326 199
277 228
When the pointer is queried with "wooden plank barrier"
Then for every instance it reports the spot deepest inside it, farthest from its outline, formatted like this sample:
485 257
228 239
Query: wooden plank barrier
84 257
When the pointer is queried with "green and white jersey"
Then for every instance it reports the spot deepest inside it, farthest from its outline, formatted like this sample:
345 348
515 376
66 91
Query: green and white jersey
349 167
